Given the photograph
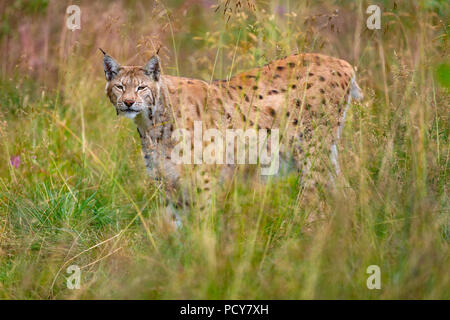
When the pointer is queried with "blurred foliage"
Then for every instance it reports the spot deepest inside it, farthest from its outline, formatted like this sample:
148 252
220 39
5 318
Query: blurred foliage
443 74
30 6
72 182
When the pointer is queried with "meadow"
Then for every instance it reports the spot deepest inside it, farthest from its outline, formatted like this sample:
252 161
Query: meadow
73 188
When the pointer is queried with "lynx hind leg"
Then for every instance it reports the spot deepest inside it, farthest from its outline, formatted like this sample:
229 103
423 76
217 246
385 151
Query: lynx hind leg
311 154
310 151
357 95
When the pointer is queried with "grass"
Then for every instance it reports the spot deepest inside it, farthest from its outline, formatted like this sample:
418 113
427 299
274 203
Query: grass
79 195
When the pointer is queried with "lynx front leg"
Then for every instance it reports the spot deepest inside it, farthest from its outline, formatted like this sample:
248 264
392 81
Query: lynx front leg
202 186
193 193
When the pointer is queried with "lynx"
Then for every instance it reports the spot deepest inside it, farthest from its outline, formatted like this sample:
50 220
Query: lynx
305 96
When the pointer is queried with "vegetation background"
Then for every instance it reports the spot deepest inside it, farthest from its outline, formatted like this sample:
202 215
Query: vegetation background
73 189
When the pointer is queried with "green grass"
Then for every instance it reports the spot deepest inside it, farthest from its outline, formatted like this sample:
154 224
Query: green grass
80 196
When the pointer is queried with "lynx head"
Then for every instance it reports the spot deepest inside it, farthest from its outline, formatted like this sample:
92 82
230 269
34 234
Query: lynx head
132 89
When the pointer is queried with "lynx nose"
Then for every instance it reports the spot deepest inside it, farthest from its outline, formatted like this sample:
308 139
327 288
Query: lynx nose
128 103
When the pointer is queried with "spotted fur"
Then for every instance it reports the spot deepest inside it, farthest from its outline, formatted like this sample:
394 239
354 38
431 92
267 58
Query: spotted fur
306 96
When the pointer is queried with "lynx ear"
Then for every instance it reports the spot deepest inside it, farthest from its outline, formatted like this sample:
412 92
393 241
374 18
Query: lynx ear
110 65
153 68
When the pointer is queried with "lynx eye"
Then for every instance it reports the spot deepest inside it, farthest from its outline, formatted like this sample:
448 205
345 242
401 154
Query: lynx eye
119 87
141 88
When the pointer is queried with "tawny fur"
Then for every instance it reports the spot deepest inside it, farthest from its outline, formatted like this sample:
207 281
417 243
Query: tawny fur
304 96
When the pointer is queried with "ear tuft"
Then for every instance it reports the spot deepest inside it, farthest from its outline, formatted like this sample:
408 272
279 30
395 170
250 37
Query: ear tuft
110 65
153 68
